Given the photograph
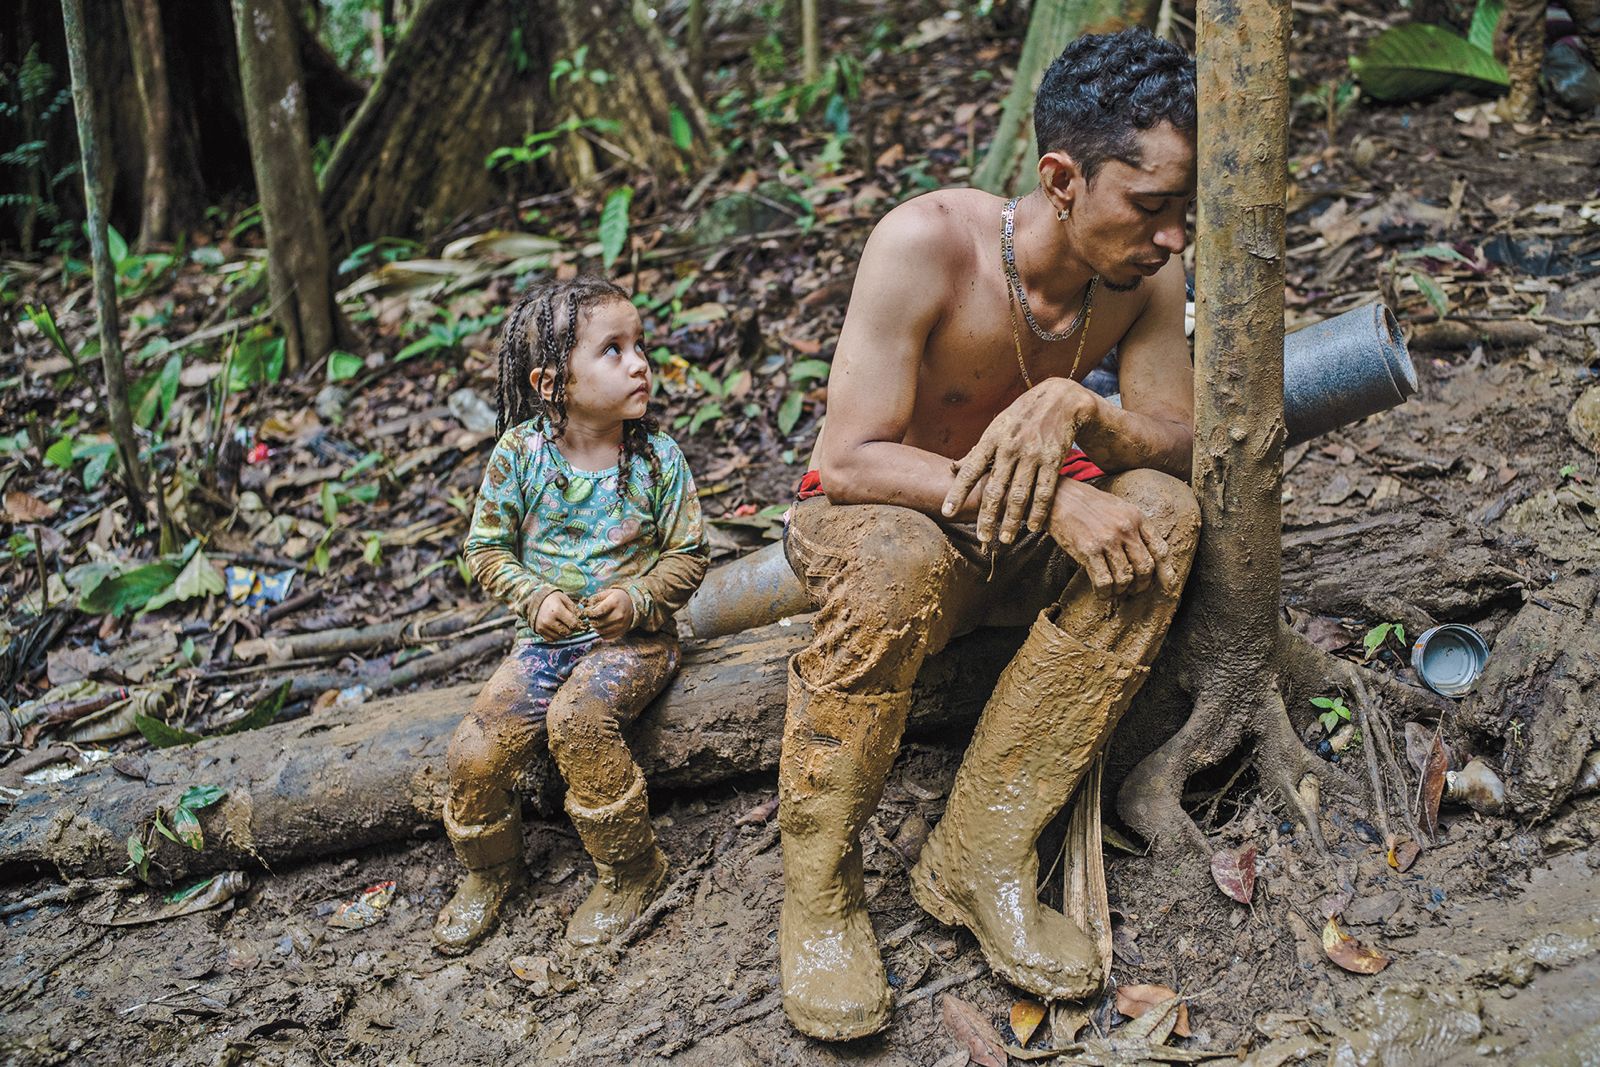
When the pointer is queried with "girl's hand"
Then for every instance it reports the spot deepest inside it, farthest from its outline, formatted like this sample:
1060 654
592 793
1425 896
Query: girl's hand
557 617
610 612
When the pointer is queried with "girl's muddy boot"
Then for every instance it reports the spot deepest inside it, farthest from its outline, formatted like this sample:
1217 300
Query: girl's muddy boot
630 869
1049 715
837 751
492 854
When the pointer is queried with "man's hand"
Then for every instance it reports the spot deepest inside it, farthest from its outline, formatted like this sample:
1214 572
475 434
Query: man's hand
1113 540
610 612
1022 451
557 617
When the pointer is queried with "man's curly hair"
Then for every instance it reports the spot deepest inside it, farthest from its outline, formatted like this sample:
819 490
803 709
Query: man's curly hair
1104 88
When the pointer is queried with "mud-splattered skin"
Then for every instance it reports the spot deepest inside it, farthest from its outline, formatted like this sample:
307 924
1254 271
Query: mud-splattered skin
524 705
893 586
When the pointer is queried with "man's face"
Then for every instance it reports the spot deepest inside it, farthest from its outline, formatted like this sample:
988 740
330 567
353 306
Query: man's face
1131 219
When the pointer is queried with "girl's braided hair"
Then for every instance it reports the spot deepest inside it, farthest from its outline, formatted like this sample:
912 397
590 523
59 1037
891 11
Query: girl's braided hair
540 333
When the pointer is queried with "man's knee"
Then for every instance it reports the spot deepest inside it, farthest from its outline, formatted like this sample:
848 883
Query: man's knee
893 563
1168 502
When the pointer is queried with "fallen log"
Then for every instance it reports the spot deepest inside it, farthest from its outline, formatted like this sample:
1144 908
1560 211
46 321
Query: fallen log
346 780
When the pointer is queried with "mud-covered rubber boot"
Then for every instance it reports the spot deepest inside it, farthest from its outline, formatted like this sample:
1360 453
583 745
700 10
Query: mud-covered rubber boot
492 854
837 751
1049 715
630 869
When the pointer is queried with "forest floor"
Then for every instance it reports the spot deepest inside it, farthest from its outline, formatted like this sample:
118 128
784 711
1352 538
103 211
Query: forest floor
1493 934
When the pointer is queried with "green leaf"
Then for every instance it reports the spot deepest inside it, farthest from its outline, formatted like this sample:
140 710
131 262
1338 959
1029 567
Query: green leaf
131 589
1375 638
152 396
197 579
682 135
43 318
188 828
1416 60
372 549
100 457
789 411
1400 633
256 359
118 247
1485 19
806 369
329 499
1323 702
265 713
614 224
161 828
178 896
1431 290
342 366
704 414
1329 721
161 735
136 850
60 453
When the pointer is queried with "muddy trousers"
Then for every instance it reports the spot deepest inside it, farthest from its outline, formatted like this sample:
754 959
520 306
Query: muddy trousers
516 714
892 587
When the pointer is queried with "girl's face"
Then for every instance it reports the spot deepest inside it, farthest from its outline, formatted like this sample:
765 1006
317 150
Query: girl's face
609 372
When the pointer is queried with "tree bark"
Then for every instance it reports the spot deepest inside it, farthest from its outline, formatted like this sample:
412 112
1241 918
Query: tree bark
1226 638
298 276
150 73
457 87
342 781
87 108
1012 156
810 40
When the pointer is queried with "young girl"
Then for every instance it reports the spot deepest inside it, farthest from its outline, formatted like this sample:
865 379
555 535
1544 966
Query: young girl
588 529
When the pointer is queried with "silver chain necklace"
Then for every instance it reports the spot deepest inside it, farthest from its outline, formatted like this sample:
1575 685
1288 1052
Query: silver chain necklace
1008 254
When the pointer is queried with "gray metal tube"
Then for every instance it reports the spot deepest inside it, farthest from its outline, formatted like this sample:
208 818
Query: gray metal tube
1334 373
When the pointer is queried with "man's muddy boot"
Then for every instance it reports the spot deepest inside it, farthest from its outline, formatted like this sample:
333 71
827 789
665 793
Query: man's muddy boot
1050 713
630 870
492 854
837 751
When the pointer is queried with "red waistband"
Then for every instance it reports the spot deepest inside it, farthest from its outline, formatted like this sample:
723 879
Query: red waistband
1077 466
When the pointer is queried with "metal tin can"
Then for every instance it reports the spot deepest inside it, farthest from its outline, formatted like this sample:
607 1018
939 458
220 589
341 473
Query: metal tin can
1450 658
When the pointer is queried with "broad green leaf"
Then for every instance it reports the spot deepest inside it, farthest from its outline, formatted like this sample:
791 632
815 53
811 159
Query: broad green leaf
1375 637
263 714
188 828
416 348
807 369
256 359
614 224
1485 19
789 411
60 453
136 849
1322 702
197 579
682 135
342 366
131 589
161 828
152 396
704 414
329 499
43 318
1416 60
100 457
161 735
178 896
1431 290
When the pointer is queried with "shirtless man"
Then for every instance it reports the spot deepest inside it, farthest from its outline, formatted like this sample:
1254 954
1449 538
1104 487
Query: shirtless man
946 407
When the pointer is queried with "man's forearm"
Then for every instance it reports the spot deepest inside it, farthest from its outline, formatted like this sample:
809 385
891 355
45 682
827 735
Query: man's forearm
886 472
1119 440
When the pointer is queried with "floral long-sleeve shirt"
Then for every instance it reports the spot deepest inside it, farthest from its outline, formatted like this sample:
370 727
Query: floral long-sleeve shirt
541 525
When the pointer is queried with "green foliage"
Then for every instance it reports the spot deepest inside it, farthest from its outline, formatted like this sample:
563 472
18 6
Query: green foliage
342 366
265 712
383 250
40 187
535 146
45 320
614 224
256 359
1333 713
682 135
1380 633
178 576
1416 60
160 735
96 455
575 68
448 332
185 828
152 396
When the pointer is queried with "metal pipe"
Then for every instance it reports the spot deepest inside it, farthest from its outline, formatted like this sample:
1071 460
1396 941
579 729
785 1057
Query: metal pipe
1334 373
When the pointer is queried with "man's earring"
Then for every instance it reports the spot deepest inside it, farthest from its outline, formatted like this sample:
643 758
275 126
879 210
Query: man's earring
1064 214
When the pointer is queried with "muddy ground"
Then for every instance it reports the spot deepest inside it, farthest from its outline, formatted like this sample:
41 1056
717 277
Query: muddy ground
1493 934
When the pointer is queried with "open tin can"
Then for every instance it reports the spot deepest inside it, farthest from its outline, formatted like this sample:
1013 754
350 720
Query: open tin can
1450 658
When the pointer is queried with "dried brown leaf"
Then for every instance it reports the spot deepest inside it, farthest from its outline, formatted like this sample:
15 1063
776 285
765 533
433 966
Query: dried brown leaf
968 1026
25 507
1431 790
1026 1015
1234 871
1134 1000
1349 953
1403 854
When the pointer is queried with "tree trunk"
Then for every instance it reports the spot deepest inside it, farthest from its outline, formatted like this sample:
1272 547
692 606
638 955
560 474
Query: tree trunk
470 76
1011 158
377 773
87 109
1226 638
810 40
150 72
298 277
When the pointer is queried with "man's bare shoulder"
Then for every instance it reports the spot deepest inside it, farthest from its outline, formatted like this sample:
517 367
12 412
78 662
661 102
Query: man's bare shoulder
937 231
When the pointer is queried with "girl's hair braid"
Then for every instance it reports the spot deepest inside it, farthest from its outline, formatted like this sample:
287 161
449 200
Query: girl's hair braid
528 348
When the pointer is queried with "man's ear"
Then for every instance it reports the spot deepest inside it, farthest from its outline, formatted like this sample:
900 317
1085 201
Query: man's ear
543 380
1059 177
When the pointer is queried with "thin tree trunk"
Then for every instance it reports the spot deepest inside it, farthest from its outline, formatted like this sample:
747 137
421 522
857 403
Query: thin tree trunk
1010 160
150 72
298 275
86 107
810 40
696 66
1226 638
